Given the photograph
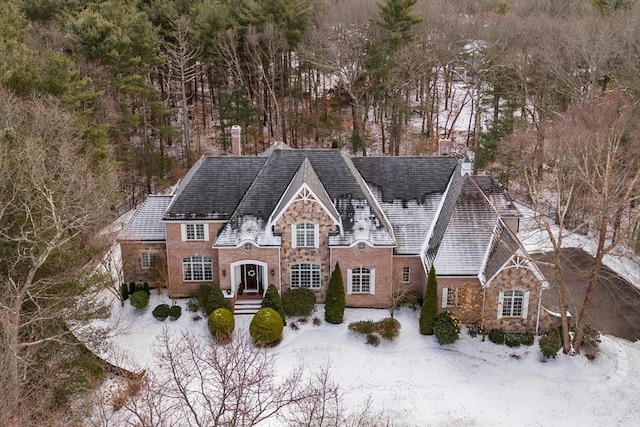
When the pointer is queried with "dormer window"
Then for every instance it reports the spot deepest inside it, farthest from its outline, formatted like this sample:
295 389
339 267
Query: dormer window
305 235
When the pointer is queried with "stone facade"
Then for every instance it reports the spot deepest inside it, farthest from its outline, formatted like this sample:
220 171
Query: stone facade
468 307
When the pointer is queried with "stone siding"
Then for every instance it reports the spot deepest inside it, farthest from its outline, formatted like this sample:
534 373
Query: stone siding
469 308
132 270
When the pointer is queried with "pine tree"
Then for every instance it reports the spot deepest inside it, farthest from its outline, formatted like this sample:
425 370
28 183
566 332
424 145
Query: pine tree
334 301
430 304
272 300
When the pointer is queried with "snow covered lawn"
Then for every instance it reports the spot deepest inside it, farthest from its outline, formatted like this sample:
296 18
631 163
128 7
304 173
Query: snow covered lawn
417 382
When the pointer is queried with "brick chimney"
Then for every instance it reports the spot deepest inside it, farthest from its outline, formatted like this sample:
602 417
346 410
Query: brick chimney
236 144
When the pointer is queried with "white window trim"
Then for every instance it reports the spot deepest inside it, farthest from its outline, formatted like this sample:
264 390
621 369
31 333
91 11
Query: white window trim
312 285
525 305
372 282
294 235
445 297
204 261
408 269
148 255
183 232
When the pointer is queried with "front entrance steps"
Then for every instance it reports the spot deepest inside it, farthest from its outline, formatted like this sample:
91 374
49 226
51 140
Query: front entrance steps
247 306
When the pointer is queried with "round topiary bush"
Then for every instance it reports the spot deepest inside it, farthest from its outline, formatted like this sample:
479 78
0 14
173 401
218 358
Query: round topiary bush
550 344
446 328
139 299
527 338
512 340
175 311
161 312
299 302
266 326
496 336
221 324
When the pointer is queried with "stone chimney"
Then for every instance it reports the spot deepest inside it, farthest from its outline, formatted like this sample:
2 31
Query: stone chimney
236 141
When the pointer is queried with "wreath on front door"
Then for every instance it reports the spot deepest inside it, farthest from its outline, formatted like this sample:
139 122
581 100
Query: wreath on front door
251 273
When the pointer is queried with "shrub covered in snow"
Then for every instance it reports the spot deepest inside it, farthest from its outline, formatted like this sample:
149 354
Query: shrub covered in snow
387 328
139 299
551 343
446 328
299 302
221 324
266 326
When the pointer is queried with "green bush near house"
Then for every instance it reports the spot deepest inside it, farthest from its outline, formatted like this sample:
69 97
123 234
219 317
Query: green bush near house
429 309
362 327
221 324
161 312
299 302
334 302
210 298
551 343
272 300
446 328
496 336
387 328
266 326
175 311
527 338
512 340
139 299
124 291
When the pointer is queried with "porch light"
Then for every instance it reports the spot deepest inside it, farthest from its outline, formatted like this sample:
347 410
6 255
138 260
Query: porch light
273 272
224 272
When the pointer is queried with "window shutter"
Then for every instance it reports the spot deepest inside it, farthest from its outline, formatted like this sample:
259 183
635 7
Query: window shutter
372 281
206 231
316 235
349 281
500 302
445 295
525 305
294 237
183 232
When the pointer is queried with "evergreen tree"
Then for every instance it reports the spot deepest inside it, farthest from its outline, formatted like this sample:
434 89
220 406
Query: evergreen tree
215 300
272 300
334 301
430 304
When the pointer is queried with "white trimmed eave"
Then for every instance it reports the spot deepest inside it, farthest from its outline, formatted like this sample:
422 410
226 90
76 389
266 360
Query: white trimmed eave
314 198
524 263
425 245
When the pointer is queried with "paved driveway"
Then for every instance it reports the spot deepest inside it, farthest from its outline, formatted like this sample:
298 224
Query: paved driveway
615 308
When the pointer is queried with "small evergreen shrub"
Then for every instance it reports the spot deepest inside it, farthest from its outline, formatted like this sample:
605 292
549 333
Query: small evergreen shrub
145 287
139 299
446 328
175 311
496 336
550 343
266 326
362 327
388 328
132 288
526 338
215 300
334 301
124 291
373 339
474 329
512 340
161 312
221 324
193 305
591 336
429 309
272 299
299 302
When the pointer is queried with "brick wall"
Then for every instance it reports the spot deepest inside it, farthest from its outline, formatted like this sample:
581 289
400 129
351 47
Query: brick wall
418 279
267 255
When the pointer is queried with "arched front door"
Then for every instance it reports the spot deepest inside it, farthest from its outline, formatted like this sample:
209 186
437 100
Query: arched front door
249 277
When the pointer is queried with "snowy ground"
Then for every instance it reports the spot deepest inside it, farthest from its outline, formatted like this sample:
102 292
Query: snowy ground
416 382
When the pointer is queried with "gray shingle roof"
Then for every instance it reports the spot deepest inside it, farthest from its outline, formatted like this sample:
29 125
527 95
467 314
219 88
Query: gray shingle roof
499 199
146 225
213 187
504 246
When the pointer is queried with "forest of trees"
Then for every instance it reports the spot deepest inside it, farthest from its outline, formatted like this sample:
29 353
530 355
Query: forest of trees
114 99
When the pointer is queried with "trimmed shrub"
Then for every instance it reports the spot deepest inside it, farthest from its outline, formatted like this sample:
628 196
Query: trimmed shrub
334 301
474 329
550 344
139 299
496 336
221 324
373 339
124 291
388 328
161 312
132 288
299 302
272 300
175 311
429 309
145 287
512 340
193 305
210 298
446 328
266 326
527 338
362 327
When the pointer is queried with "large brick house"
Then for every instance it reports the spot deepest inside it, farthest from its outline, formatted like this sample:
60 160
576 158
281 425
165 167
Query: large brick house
286 217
